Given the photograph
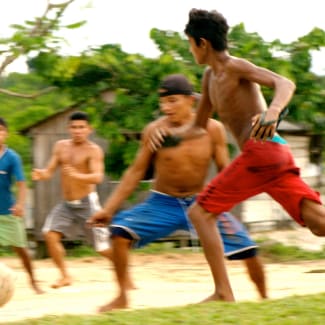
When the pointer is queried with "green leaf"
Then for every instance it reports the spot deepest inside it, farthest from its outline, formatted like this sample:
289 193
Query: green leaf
76 25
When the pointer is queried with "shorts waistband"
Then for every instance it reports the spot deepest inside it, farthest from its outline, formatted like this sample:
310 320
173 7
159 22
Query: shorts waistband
74 202
175 197
82 200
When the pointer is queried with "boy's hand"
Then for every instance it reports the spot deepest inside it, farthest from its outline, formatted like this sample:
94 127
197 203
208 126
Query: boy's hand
264 125
17 210
157 138
99 219
37 174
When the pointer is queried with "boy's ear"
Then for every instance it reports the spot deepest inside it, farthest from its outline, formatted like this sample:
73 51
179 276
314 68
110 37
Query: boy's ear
203 42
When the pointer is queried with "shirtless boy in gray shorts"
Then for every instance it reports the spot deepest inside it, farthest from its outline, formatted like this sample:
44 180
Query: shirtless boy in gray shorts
81 168
68 217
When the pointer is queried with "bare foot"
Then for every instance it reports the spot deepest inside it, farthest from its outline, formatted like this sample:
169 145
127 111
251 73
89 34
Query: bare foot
216 297
36 288
62 283
117 303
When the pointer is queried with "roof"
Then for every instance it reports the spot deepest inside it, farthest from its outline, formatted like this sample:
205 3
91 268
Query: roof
26 130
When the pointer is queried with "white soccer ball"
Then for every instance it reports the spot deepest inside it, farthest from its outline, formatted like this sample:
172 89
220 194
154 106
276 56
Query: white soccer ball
7 284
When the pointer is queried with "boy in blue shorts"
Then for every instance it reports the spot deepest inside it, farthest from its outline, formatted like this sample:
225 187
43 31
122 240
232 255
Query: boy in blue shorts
180 172
12 228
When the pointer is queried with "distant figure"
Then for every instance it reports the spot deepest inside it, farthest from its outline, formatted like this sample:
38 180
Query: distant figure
12 210
82 167
180 171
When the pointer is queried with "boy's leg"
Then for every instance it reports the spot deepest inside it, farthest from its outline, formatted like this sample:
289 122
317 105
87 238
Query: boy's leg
313 215
14 235
22 252
120 255
256 273
204 223
108 253
239 246
57 253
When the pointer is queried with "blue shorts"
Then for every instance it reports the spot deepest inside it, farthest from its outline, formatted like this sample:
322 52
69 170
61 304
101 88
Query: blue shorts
161 214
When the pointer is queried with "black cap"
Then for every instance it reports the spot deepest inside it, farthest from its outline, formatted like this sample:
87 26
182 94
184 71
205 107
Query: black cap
175 84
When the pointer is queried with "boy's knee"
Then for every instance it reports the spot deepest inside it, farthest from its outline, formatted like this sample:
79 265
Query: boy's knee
318 231
193 211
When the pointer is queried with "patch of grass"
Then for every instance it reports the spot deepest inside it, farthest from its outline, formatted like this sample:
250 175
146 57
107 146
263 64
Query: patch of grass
277 252
295 310
270 250
6 251
76 249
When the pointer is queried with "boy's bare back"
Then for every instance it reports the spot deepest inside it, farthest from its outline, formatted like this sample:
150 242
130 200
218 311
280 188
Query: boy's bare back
235 94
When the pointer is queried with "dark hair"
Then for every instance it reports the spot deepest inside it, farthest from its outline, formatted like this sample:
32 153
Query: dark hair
175 84
79 116
3 123
210 25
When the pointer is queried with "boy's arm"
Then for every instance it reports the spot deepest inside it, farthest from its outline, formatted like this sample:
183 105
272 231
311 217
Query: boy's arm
18 208
264 125
219 144
128 183
47 172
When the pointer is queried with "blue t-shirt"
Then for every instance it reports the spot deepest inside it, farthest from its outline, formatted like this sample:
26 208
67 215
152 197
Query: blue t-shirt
10 170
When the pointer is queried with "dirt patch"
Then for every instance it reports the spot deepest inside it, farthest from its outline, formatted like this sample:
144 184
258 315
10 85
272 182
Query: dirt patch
162 280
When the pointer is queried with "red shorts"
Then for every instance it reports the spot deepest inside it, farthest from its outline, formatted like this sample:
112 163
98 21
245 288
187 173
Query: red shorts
261 167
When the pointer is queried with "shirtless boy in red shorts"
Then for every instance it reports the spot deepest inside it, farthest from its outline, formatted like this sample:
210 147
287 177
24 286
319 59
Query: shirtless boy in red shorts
231 88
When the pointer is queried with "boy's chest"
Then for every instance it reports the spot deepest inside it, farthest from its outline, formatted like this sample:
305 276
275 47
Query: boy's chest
74 157
188 150
5 166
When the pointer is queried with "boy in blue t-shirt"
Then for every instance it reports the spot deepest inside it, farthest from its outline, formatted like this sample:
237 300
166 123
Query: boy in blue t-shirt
12 229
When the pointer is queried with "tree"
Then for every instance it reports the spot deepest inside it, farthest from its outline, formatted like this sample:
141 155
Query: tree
134 79
33 36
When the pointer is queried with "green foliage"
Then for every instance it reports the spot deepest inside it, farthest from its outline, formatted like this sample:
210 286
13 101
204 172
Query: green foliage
39 34
134 79
21 112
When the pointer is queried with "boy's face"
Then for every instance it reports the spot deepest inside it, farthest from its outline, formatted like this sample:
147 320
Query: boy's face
79 130
176 108
3 134
197 51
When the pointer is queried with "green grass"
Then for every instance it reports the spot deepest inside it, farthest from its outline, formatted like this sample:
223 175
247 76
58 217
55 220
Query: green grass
269 250
6 251
277 252
296 310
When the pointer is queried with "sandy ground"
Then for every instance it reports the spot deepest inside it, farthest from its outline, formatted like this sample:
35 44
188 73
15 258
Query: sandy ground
162 280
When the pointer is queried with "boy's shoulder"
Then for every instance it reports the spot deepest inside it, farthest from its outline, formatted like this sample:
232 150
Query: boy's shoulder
11 156
11 152
159 122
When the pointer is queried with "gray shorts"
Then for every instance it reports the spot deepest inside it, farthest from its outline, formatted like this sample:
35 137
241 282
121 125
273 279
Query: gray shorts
69 218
